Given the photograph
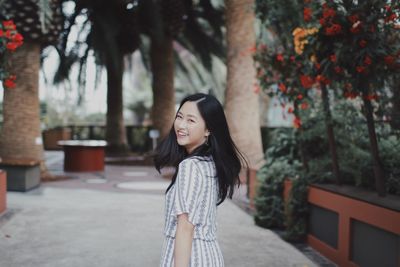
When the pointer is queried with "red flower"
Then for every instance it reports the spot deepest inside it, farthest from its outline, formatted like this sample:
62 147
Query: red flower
297 122
328 13
10 82
389 60
333 58
362 43
322 22
11 46
306 81
300 96
367 60
338 69
292 58
317 66
391 17
360 69
307 14
1 33
8 34
353 18
333 30
279 57
371 97
323 80
304 105
356 27
350 95
17 38
9 25
290 110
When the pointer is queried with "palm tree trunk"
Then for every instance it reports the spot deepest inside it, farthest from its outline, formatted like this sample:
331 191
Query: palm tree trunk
20 135
115 127
162 66
241 102
331 135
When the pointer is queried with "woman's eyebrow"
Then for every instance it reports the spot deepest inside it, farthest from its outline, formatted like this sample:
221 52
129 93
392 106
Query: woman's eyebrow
188 115
193 116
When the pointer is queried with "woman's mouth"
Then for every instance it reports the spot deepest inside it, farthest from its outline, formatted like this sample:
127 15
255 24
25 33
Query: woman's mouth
181 134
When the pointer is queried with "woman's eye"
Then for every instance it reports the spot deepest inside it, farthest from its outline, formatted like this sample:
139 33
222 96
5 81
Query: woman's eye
191 120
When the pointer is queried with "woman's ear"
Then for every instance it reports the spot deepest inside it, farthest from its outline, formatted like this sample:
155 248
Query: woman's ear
208 133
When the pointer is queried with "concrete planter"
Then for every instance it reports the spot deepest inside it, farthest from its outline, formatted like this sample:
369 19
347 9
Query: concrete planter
3 191
22 174
352 226
52 136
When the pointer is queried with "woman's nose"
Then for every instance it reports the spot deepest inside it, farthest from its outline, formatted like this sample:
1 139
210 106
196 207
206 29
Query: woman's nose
181 124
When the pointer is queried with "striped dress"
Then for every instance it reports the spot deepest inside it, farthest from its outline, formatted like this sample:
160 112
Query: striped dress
194 192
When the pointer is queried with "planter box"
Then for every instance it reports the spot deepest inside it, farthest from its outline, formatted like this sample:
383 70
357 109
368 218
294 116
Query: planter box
22 174
52 136
3 191
354 227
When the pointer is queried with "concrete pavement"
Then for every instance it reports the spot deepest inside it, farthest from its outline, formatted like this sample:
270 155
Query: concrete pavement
115 218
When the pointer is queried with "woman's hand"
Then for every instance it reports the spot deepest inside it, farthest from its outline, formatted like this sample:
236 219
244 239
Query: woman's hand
183 241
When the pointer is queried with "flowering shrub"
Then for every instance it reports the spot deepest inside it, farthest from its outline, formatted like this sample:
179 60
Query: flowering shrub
284 75
10 40
357 44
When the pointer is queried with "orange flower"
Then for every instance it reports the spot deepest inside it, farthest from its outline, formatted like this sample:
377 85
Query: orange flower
282 87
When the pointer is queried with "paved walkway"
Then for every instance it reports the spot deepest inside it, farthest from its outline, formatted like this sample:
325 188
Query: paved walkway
115 219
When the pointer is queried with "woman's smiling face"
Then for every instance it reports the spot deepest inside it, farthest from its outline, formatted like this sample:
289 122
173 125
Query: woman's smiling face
190 127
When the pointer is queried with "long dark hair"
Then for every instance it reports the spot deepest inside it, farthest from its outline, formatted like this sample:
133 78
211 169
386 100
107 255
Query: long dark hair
228 159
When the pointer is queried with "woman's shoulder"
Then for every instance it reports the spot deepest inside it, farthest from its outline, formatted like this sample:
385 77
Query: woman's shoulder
196 160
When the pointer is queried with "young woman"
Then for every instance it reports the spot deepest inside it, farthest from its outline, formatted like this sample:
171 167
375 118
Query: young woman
207 169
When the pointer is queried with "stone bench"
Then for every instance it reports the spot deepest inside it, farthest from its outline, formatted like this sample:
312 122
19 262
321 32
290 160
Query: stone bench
83 155
23 174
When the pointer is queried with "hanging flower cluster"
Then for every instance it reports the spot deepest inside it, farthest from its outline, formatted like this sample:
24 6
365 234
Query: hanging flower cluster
10 40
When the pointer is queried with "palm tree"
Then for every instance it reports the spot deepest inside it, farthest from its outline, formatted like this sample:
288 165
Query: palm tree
169 21
242 106
40 24
242 103
113 34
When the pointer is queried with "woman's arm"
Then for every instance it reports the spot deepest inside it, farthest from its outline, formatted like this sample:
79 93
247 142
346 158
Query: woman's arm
183 241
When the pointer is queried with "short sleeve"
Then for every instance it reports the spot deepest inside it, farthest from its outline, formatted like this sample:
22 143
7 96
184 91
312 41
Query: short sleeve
188 186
